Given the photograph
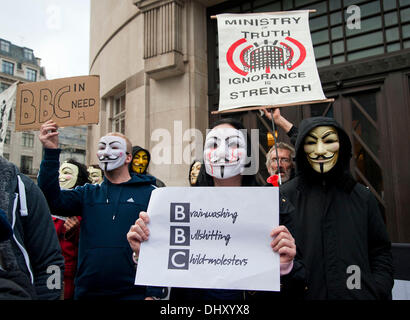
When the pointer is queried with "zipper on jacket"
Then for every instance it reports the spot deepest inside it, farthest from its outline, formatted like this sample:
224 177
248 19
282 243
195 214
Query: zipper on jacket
19 245
117 204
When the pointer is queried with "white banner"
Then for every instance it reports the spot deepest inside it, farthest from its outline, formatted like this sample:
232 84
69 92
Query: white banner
204 237
266 59
7 102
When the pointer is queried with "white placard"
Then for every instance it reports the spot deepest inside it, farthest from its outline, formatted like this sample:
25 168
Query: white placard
209 237
266 59
7 102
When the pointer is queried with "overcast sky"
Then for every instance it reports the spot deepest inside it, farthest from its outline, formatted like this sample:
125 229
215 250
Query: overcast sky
57 31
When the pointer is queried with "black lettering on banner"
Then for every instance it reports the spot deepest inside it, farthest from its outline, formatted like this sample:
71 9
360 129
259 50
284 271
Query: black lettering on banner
179 236
180 212
178 259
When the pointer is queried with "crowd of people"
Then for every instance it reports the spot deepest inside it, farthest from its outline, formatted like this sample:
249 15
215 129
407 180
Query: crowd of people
328 221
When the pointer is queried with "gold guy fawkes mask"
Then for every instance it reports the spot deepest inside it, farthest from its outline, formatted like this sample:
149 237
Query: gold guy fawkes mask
193 175
321 146
140 162
95 175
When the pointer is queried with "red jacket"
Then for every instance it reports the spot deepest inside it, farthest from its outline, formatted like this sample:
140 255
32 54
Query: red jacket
69 246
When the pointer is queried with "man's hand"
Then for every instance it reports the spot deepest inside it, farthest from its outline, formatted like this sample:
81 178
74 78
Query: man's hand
49 135
138 233
71 224
283 243
278 119
276 114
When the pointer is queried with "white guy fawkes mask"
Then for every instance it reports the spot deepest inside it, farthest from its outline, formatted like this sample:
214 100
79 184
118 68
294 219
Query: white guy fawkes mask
112 152
224 152
322 148
68 174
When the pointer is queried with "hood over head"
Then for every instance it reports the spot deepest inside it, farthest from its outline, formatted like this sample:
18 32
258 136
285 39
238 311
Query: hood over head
135 150
342 166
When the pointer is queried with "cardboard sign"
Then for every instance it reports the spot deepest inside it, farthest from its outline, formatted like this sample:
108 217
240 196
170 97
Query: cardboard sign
206 237
266 59
68 101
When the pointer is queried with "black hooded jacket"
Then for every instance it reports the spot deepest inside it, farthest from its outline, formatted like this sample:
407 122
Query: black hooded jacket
136 149
339 228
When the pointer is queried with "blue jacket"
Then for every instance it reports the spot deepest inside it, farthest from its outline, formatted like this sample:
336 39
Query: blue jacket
105 266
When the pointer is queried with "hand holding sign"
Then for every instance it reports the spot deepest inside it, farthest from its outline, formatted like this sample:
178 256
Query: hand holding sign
138 233
198 243
284 244
49 135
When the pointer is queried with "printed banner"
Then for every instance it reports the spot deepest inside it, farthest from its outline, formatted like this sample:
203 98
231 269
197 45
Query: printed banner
266 59
206 237
71 101
7 102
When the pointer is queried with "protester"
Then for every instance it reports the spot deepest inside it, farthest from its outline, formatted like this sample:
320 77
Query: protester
227 141
286 153
339 227
95 174
71 175
194 172
105 266
140 162
31 264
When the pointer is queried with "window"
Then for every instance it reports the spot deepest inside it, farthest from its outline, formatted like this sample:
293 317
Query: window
4 46
7 67
31 74
118 114
27 140
7 137
3 86
26 164
28 54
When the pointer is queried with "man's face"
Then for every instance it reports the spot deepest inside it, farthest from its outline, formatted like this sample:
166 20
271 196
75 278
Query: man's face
68 174
285 164
112 152
193 175
322 148
224 152
140 162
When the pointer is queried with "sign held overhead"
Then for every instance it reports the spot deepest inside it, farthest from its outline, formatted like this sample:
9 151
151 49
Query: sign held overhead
68 101
266 59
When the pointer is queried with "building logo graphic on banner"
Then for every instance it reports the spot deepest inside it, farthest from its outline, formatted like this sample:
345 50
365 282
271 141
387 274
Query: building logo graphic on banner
266 59
266 55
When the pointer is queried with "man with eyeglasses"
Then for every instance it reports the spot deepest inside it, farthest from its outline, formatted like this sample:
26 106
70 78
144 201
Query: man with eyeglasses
286 154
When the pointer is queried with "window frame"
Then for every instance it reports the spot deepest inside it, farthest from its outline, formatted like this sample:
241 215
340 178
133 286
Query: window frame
118 112
4 46
8 64
29 73
27 140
